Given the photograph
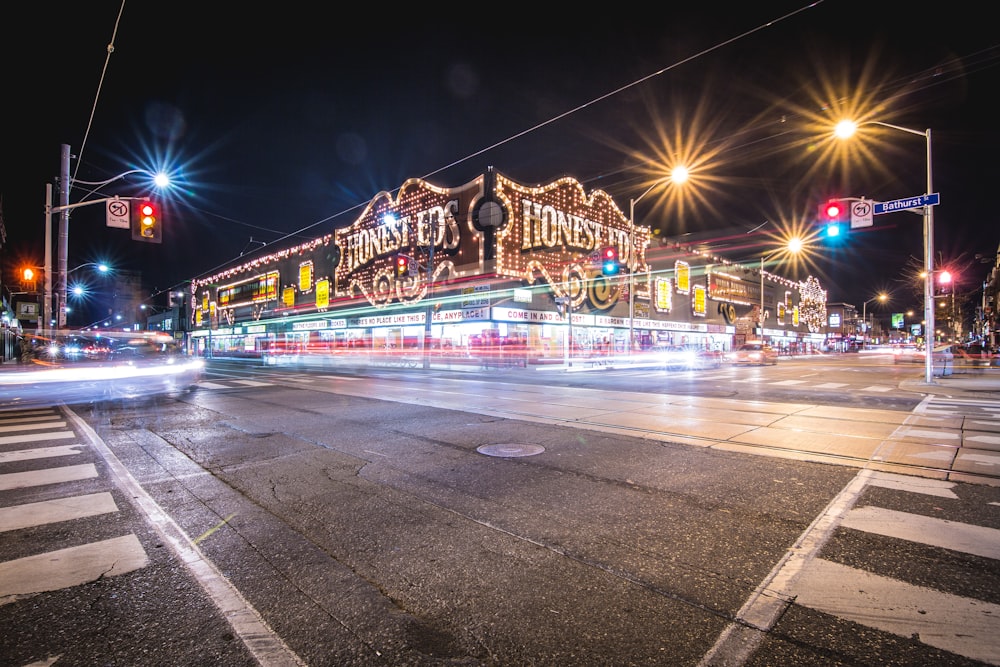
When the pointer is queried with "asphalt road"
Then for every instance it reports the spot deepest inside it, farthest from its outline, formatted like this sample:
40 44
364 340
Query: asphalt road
296 522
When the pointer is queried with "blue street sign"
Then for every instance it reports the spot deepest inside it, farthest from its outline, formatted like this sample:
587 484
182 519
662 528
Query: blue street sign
908 203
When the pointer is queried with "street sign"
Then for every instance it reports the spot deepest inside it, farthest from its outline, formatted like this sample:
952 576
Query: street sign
861 214
908 203
118 213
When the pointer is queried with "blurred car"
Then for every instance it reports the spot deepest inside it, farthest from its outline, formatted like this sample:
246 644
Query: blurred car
756 354
681 357
139 367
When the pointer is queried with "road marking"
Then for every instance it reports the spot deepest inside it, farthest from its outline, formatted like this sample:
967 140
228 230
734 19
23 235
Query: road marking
20 428
831 385
36 437
40 453
977 540
253 383
924 485
53 511
788 382
54 570
211 385
768 602
20 480
878 387
266 646
960 625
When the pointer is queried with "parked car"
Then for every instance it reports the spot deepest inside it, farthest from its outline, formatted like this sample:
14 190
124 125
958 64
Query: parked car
758 354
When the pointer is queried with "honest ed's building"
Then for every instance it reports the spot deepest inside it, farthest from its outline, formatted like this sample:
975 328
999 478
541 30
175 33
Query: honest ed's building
494 265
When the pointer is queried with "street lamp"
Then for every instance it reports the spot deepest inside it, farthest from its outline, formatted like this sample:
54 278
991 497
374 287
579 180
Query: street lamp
160 180
678 174
794 246
845 129
864 312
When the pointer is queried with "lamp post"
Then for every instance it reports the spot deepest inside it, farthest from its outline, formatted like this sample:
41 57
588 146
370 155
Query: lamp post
845 129
63 209
678 174
864 313
793 246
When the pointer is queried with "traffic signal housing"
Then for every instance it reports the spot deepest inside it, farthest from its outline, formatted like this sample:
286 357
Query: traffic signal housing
146 223
29 279
609 261
404 266
833 217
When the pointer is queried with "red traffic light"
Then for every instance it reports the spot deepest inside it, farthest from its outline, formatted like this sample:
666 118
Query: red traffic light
609 260
832 210
402 265
146 223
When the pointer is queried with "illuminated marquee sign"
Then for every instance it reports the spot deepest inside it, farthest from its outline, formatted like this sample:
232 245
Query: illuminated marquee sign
555 231
421 215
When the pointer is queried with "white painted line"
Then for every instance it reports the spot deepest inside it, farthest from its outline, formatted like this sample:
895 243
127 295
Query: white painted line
267 647
787 382
35 437
40 453
253 383
878 387
21 480
17 428
211 385
774 594
963 626
924 485
54 570
831 385
53 511
25 419
976 540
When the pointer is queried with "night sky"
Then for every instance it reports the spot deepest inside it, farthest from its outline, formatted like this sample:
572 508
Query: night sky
279 123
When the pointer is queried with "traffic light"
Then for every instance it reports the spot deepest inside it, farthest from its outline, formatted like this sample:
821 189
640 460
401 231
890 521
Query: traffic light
402 266
146 223
28 279
832 216
609 261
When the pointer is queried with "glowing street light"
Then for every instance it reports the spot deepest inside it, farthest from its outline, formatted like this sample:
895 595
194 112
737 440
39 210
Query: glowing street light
864 312
679 175
793 247
844 130
159 180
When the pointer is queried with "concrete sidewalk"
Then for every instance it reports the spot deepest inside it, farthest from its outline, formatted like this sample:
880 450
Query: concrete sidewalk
973 383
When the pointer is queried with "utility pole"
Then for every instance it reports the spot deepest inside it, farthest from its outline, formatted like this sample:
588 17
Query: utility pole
64 186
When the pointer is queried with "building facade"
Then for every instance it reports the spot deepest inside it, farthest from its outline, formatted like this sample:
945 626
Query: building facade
494 265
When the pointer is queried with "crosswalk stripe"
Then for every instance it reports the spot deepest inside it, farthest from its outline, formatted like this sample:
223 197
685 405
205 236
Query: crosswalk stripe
831 385
53 511
30 418
73 566
35 437
977 540
878 387
930 616
37 426
253 383
40 453
20 480
211 385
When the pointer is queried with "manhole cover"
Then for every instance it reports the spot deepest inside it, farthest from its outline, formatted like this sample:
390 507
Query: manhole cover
510 451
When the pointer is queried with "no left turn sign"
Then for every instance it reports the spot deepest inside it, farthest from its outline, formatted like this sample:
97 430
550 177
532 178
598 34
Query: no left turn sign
862 214
118 213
